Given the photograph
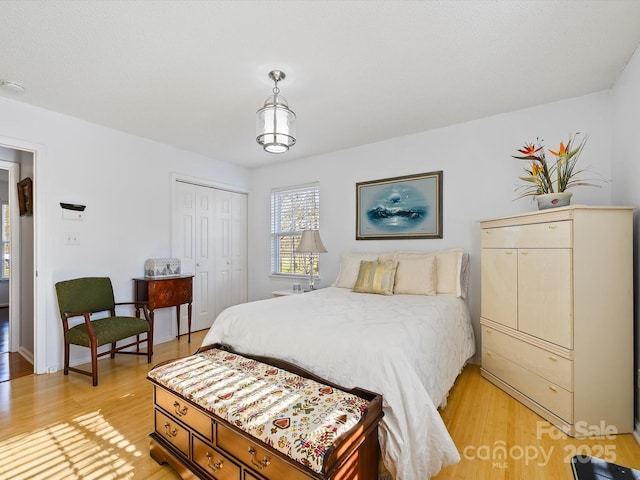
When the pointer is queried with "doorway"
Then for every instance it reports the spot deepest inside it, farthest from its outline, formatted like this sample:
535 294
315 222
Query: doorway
17 275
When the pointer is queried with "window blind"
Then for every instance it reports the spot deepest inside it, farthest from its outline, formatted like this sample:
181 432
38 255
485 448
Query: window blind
293 209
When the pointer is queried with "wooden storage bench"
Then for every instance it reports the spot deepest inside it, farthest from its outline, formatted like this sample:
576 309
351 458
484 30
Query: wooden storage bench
221 415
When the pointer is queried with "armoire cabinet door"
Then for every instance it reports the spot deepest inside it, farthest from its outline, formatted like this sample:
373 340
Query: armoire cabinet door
544 294
499 277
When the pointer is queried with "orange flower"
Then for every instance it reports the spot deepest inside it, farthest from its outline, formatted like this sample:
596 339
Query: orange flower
529 149
562 151
536 168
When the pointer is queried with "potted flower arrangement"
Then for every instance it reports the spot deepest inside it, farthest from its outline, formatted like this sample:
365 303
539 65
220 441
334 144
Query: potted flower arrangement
548 181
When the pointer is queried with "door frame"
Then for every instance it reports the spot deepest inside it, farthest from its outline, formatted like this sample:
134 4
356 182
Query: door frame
39 306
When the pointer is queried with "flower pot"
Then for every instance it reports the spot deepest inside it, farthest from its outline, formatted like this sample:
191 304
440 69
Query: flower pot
552 200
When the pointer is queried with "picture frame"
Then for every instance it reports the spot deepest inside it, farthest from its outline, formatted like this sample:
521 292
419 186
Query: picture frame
25 196
404 207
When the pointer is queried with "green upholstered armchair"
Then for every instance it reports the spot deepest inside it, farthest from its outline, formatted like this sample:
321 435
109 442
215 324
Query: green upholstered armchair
83 297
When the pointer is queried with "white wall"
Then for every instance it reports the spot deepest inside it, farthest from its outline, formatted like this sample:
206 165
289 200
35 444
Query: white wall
626 171
125 183
479 181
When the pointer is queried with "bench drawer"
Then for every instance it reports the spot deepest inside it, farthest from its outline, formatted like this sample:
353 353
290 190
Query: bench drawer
256 456
214 462
184 412
173 432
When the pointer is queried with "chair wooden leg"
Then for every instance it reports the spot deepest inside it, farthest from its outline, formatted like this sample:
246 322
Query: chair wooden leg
94 365
66 358
149 345
113 350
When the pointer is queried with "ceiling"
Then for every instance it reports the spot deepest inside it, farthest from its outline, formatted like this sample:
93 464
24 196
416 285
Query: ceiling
193 73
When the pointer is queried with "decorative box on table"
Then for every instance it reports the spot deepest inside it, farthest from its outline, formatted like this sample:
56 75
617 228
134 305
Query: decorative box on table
161 267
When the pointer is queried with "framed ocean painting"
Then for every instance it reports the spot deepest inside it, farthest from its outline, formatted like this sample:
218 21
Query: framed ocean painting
400 207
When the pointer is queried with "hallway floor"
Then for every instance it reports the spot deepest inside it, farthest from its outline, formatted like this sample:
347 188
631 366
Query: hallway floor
12 364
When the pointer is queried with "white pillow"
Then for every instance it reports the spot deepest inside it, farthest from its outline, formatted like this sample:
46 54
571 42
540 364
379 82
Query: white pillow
416 274
349 268
448 268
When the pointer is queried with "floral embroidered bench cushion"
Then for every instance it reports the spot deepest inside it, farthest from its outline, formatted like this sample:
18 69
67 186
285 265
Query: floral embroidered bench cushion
297 416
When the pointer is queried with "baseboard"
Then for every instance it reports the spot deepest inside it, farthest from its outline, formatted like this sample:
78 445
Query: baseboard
636 432
28 356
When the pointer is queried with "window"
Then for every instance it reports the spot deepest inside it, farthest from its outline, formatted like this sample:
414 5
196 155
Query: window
293 210
6 235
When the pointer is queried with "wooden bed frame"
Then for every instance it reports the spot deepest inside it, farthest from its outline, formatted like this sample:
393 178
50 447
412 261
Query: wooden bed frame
199 444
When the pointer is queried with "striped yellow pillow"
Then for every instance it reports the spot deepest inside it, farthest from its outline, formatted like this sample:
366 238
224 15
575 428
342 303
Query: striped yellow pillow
376 277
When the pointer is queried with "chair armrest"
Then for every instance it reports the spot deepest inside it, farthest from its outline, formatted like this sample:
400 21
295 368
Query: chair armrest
87 322
139 302
78 314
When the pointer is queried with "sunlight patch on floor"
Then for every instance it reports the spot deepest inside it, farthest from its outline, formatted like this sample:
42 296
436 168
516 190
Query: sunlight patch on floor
87 447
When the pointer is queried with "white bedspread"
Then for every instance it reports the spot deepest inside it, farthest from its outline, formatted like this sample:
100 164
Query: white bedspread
409 348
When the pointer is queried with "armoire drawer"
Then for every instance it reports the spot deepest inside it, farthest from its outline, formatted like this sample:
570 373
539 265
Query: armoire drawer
172 431
214 462
178 408
548 365
550 395
538 235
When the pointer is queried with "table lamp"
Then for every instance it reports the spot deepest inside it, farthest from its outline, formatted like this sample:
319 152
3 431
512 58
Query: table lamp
310 243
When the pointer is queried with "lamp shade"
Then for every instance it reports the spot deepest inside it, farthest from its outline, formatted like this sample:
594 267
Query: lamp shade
310 242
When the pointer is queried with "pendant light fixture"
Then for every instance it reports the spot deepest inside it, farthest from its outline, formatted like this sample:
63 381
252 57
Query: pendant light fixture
275 125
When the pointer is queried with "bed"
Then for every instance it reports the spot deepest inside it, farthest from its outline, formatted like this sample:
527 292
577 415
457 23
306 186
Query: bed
409 347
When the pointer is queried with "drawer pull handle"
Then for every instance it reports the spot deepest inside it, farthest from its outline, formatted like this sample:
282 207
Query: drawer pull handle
508 252
181 412
166 295
524 253
552 227
488 331
262 463
213 466
489 354
552 388
169 432
552 358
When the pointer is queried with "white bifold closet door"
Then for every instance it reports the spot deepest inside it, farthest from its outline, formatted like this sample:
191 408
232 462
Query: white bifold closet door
209 235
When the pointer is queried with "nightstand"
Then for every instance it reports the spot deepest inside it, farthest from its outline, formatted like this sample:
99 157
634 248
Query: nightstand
284 293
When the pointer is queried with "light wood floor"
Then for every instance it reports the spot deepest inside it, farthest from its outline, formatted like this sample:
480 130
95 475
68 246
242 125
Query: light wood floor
60 427
481 419
12 364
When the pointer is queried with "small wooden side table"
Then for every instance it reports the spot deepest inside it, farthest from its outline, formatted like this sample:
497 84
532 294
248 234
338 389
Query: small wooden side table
161 292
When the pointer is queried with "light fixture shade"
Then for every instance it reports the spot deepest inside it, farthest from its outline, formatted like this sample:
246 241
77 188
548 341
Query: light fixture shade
310 242
275 121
